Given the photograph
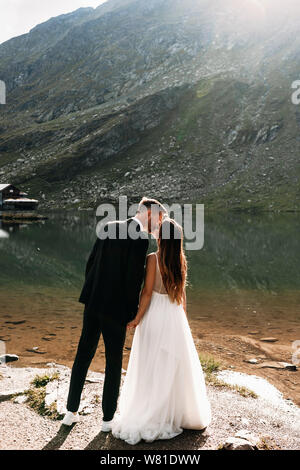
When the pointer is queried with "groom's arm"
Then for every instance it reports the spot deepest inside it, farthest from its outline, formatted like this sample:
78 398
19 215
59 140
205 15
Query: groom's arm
135 274
92 256
89 276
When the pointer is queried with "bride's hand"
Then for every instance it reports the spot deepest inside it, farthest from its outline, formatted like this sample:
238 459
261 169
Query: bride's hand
133 324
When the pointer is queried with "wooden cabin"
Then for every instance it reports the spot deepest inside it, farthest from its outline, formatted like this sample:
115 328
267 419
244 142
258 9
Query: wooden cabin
13 199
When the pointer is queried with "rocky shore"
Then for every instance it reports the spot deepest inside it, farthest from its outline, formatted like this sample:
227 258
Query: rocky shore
32 402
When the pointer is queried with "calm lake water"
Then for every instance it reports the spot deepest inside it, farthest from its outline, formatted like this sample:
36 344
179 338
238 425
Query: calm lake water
252 252
245 280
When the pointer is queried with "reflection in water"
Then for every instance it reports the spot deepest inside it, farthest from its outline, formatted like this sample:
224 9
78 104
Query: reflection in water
248 252
260 252
3 234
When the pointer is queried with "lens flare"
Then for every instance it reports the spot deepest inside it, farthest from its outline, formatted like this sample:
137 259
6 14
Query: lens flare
257 6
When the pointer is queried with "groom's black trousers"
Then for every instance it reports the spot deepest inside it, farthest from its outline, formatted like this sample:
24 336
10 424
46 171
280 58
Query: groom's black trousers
114 337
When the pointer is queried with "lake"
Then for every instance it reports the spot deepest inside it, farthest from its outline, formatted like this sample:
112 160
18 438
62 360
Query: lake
244 285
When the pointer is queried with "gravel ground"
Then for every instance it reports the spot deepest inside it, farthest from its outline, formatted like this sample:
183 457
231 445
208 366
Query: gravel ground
23 428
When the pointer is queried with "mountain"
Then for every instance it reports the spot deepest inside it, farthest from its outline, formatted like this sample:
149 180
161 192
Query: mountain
185 100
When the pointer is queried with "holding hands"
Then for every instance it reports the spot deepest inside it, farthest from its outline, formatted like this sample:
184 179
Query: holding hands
133 324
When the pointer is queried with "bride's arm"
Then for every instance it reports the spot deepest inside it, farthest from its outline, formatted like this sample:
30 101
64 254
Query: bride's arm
146 291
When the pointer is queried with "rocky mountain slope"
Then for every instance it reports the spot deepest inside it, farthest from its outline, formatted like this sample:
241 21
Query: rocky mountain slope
185 100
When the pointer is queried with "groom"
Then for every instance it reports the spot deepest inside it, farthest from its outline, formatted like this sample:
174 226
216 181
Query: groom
113 278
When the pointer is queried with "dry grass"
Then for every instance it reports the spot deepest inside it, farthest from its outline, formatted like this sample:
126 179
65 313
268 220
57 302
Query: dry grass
210 366
43 380
267 443
209 363
37 393
213 380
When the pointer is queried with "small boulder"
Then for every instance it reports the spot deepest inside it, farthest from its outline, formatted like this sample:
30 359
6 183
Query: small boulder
269 340
47 338
251 361
234 443
92 380
36 350
242 440
8 358
245 434
288 366
20 399
271 365
5 338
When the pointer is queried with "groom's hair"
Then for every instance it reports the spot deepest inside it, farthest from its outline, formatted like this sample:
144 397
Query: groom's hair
150 204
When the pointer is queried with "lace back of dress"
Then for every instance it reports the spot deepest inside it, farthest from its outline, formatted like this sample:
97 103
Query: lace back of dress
158 283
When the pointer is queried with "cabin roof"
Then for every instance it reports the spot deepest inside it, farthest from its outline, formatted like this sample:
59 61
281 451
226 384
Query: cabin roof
3 186
21 199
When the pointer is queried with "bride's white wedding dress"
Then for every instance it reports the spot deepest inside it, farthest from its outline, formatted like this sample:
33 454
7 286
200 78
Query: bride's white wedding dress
164 389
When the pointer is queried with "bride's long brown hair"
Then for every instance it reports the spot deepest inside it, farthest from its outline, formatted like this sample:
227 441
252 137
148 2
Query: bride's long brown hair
173 265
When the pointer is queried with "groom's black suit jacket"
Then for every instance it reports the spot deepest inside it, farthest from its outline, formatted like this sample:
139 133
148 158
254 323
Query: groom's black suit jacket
115 271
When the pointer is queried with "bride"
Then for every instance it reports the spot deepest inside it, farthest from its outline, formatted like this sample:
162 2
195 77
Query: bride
164 389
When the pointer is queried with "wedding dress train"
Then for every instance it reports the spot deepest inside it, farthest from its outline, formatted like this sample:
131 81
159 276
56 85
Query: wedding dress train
164 390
